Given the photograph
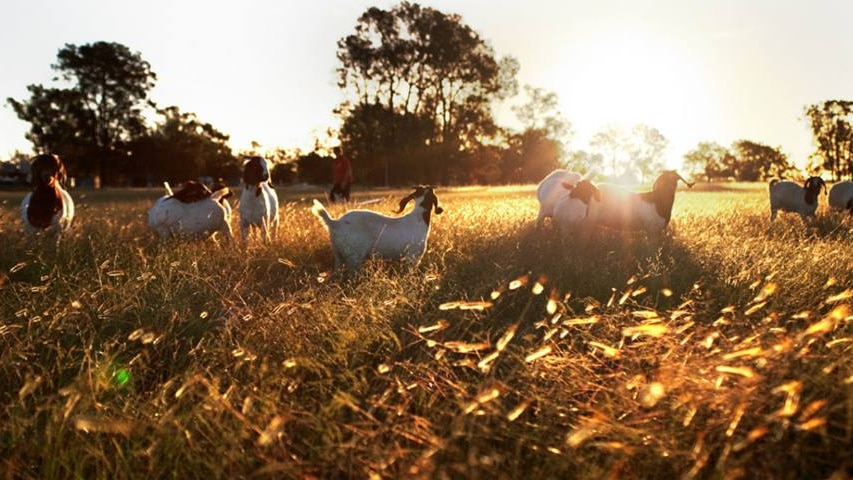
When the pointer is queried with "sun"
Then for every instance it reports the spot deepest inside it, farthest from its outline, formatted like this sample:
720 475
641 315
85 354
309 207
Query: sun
630 77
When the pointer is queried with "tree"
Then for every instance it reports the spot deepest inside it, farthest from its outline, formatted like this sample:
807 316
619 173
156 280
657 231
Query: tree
416 64
179 148
610 145
755 161
583 161
711 159
646 146
832 127
541 144
92 121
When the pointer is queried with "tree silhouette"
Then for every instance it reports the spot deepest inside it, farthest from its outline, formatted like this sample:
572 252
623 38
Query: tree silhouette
414 64
756 161
832 127
711 159
94 119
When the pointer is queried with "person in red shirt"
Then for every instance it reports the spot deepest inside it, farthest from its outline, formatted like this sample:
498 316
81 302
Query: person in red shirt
341 177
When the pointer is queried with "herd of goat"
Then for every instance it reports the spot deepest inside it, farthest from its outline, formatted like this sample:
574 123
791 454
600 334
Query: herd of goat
572 202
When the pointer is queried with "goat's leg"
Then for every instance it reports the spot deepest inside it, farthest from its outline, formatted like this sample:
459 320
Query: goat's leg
244 229
540 220
274 227
265 229
226 232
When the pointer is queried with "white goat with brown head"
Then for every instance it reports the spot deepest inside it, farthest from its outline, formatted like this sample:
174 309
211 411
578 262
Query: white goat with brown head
48 208
258 202
358 234
788 196
191 212
550 190
650 211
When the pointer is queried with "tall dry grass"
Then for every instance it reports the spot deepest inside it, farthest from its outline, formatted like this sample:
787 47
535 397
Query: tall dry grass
509 353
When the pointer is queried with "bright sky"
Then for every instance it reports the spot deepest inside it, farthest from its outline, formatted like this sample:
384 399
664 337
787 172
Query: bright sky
264 70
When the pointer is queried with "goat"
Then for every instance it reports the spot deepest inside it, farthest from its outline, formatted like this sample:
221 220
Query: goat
788 196
359 233
841 196
650 211
259 202
550 190
48 207
191 212
578 204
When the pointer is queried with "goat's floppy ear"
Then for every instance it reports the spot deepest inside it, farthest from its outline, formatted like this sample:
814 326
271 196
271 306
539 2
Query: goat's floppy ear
438 210
597 195
35 171
405 201
63 174
567 185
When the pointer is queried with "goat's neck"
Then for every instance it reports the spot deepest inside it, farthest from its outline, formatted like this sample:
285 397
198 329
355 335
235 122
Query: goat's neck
662 200
810 196
44 204
257 186
419 214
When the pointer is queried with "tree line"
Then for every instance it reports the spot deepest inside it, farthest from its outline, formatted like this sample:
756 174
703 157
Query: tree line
419 91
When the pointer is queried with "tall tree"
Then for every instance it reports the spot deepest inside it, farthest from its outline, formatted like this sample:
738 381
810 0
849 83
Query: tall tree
711 159
756 161
586 162
181 147
99 113
418 62
610 144
832 127
646 147
542 143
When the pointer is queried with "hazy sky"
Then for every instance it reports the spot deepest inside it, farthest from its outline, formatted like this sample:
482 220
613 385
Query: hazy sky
264 70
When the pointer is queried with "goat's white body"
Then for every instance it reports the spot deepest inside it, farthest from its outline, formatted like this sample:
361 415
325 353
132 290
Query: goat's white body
259 210
840 195
624 210
550 190
170 217
61 220
788 196
359 233
571 214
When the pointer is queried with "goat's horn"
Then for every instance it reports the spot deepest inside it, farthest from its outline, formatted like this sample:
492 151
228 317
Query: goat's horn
689 184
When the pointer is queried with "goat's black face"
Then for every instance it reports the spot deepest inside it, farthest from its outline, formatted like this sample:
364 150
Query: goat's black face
46 168
427 199
812 189
585 191
815 184
255 170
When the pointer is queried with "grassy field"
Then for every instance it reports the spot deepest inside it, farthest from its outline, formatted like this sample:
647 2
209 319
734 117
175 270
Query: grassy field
508 353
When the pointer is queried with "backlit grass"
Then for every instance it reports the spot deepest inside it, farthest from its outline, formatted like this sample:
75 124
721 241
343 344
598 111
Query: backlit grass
723 352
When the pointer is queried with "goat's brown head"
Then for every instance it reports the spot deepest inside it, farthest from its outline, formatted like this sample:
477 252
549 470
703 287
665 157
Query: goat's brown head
668 181
426 198
584 191
47 168
219 185
663 192
47 173
191 192
812 188
255 172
